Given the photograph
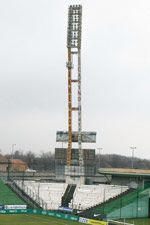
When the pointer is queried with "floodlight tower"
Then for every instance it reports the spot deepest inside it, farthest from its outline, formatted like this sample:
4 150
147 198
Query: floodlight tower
74 48
74 163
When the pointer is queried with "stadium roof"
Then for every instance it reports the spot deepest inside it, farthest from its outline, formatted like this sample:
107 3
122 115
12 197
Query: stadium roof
124 172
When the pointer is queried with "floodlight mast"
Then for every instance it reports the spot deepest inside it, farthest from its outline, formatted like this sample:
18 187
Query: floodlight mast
74 47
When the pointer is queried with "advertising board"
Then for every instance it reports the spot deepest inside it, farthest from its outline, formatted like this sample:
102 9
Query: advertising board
83 220
95 222
15 207
41 212
65 209
87 137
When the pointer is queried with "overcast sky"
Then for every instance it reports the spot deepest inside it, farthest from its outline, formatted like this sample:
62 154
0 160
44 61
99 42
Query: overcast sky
115 74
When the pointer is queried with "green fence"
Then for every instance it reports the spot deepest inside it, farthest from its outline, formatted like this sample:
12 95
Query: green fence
136 209
130 205
41 212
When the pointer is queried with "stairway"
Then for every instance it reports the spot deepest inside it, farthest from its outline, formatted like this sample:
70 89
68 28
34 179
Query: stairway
68 195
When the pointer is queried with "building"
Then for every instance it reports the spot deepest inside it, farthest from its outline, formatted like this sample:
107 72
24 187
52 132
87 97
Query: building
3 163
130 177
18 165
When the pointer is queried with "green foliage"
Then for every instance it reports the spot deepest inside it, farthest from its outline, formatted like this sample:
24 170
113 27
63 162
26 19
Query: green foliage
46 161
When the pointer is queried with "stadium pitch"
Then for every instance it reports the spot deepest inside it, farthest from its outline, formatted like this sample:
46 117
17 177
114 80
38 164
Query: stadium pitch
30 219
140 221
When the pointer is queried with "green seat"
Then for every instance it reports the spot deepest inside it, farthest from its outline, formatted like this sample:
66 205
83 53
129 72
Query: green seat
8 197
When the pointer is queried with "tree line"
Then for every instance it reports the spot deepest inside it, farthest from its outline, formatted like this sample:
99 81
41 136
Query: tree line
46 161
119 161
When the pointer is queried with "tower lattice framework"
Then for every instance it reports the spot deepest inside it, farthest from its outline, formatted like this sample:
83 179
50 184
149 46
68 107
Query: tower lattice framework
74 162
74 48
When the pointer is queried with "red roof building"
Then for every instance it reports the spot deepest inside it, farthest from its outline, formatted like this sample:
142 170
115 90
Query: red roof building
18 165
3 163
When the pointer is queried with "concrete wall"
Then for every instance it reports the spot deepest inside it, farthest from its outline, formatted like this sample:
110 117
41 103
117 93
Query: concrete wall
3 167
127 181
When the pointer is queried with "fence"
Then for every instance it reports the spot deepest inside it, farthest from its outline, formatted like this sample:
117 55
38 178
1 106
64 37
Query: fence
129 205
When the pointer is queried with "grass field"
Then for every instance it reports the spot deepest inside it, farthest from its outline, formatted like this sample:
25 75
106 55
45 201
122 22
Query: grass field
142 221
32 219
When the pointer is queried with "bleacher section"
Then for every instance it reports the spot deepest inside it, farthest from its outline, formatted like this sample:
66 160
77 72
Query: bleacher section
86 196
125 205
8 197
50 193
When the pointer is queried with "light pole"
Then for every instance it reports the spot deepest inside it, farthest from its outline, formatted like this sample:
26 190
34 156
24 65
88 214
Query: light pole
99 155
12 153
132 164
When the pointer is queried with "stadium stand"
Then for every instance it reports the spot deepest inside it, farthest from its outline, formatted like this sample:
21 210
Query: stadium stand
125 205
50 193
8 197
86 196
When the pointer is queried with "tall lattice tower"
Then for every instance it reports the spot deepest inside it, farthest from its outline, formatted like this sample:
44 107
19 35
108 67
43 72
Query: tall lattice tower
78 162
